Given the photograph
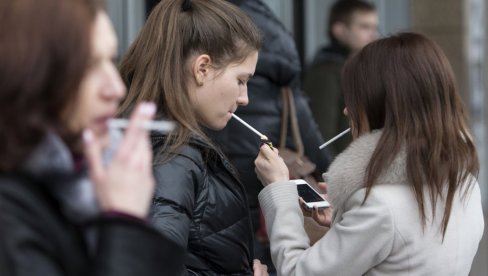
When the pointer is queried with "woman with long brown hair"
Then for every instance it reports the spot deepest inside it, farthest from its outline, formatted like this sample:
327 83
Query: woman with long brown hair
63 211
404 193
193 59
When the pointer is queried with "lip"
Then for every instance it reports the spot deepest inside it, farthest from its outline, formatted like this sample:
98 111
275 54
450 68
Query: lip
101 122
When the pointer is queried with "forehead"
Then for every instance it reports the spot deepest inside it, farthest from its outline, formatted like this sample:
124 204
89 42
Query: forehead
248 64
104 40
364 16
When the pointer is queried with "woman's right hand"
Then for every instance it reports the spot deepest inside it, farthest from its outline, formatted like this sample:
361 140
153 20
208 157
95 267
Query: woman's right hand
126 185
270 167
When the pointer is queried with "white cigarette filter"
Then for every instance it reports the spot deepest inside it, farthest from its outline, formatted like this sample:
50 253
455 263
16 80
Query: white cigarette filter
262 136
161 125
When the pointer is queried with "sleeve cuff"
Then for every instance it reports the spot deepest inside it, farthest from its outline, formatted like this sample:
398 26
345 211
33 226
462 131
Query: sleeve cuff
122 215
281 193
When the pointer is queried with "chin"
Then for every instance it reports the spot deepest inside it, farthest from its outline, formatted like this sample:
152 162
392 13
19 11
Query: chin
217 125
102 137
216 128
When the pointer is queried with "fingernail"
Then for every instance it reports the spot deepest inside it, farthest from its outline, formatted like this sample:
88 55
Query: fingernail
87 136
147 108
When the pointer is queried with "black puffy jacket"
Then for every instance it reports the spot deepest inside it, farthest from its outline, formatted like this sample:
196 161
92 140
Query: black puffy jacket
201 204
278 65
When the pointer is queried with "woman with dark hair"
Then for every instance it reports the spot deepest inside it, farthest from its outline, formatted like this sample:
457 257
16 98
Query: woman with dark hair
58 84
194 59
405 195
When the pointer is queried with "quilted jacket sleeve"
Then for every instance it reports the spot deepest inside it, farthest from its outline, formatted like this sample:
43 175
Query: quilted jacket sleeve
176 187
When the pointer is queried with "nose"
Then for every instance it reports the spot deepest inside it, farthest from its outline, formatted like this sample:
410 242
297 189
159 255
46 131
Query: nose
243 100
114 86
345 111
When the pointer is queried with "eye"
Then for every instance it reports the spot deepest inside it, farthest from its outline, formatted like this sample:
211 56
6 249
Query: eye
241 82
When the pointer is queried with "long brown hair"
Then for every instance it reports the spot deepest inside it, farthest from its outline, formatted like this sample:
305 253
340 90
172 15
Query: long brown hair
44 53
404 85
156 66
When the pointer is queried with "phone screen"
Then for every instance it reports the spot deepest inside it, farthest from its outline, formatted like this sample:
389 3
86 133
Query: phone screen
308 194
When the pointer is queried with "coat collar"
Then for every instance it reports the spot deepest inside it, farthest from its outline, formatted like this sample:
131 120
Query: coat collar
52 164
211 154
346 174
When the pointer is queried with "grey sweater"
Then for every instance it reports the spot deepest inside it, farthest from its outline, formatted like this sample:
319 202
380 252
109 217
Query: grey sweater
383 236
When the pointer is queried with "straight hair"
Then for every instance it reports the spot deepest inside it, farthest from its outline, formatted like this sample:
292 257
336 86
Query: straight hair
44 54
156 67
405 85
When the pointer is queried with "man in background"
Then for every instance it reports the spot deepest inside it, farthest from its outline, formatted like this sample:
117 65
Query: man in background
352 25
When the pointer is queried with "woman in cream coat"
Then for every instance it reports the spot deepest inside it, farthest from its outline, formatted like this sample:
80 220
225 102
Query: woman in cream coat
404 193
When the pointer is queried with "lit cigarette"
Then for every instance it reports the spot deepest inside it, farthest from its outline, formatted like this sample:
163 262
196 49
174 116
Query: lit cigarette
262 136
163 126
335 138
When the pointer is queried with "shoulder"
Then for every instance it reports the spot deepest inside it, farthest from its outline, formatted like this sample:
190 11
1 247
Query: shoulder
19 191
324 69
180 177
27 206
188 156
186 164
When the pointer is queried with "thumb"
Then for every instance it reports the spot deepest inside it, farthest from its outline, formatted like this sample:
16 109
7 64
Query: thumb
267 152
257 268
322 186
93 155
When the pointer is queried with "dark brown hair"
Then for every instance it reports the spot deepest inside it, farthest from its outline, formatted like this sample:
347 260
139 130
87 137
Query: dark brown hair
342 11
405 86
156 66
44 53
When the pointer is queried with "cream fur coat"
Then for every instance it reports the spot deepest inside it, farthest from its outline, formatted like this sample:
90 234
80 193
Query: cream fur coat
383 236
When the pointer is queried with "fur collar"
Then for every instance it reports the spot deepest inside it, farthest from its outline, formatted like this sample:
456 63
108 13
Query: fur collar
346 174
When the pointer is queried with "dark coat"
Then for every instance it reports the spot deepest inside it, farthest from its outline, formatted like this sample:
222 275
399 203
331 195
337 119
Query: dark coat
278 65
323 86
50 226
201 205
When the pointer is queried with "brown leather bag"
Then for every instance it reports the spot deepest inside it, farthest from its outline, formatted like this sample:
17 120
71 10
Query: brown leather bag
299 166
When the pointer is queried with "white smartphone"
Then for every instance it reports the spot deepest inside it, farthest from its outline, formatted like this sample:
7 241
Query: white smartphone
311 197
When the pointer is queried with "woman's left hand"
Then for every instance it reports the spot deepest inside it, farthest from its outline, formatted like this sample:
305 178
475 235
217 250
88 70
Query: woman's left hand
259 268
323 216
270 167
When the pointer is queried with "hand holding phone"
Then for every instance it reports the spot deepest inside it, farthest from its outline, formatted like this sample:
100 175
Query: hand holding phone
310 197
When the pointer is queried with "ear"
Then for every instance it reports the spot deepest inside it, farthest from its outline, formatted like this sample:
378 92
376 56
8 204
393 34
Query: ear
338 30
201 68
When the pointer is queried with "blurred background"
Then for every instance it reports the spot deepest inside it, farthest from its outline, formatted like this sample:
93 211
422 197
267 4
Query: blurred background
458 26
